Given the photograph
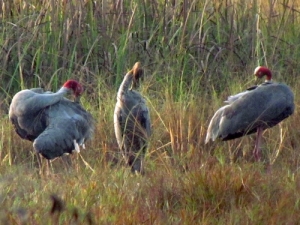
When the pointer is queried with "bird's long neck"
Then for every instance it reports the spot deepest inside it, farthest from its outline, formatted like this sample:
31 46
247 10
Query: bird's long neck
268 75
47 99
125 85
62 91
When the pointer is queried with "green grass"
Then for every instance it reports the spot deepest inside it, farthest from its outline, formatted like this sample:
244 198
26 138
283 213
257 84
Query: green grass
195 54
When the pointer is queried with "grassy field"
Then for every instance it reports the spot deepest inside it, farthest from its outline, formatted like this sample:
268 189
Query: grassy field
195 54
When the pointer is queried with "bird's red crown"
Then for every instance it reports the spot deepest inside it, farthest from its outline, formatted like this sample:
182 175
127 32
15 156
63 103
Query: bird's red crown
261 71
75 86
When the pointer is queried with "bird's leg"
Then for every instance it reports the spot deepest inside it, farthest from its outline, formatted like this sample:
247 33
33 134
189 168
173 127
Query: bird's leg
41 168
136 165
39 160
77 161
66 158
39 163
135 161
49 165
257 150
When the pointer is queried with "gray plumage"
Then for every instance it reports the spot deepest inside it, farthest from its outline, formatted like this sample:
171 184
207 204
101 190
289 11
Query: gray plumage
132 120
265 106
258 108
53 123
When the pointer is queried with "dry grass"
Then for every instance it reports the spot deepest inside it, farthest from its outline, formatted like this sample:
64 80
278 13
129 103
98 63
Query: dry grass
195 54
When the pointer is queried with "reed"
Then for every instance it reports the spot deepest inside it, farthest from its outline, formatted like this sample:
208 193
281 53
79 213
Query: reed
195 54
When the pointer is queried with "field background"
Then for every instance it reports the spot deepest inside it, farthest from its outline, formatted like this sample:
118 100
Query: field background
195 54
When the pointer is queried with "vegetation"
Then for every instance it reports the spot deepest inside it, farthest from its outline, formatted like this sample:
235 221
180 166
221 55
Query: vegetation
195 54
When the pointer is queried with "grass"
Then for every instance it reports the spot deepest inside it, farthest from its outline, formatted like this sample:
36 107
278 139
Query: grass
195 54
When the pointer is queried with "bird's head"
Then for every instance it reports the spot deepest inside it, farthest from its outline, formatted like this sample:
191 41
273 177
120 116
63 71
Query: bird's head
262 71
137 73
75 86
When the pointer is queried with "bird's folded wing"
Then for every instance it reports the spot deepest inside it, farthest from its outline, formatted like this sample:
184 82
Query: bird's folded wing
57 139
145 119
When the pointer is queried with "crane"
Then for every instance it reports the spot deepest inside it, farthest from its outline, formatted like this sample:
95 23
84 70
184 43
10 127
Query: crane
132 120
55 124
254 110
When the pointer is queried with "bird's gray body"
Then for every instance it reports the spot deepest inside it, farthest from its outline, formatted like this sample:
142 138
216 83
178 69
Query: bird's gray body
132 124
263 106
53 123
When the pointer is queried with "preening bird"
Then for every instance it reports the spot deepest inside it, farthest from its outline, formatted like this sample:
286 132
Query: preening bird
253 110
55 124
132 120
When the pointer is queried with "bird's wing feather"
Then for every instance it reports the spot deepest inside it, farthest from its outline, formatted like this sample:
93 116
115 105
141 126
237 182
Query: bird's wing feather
142 115
233 98
69 123
57 139
263 107
214 125
266 106
132 121
137 129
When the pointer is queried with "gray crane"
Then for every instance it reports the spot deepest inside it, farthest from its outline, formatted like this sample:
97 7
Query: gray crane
253 110
132 120
55 124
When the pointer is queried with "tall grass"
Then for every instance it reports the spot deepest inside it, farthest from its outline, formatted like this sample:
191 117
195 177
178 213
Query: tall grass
195 54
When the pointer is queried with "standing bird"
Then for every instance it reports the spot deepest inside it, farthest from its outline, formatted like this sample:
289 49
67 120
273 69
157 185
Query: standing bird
254 110
53 123
132 120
